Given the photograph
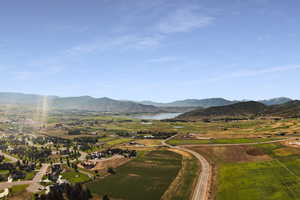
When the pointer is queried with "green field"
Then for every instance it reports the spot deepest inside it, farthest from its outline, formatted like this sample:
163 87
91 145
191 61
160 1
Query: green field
17 189
75 177
117 142
220 141
146 177
4 172
275 179
189 176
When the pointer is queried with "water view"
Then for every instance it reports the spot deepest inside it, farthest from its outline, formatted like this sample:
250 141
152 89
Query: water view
159 116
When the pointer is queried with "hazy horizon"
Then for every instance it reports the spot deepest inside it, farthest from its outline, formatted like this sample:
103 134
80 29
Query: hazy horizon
137 100
161 50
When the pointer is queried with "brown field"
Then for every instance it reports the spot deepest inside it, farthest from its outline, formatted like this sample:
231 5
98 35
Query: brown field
104 164
232 154
148 142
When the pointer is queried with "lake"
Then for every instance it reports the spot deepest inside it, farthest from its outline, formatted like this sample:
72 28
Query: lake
159 116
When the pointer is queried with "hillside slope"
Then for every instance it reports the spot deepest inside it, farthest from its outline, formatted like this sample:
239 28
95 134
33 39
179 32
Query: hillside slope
249 108
101 105
275 101
289 109
242 109
86 103
204 103
212 102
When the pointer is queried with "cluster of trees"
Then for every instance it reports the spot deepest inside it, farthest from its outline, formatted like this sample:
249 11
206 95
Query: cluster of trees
84 140
32 153
66 192
16 170
58 140
110 152
74 132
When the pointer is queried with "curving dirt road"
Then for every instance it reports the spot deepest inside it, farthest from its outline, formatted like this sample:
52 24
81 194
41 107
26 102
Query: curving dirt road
201 190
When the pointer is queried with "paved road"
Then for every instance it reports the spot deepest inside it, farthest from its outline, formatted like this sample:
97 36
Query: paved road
201 190
82 156
33 184
34 187
4 185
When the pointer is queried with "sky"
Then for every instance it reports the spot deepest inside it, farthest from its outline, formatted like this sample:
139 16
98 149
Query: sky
160 50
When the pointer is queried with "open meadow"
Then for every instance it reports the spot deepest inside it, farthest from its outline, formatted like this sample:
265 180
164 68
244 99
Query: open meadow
254 172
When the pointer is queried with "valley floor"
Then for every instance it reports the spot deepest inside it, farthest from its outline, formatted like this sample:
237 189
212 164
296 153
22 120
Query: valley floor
254 172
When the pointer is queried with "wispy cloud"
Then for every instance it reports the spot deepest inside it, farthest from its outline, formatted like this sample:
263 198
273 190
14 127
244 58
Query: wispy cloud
245 73
184 20
162 59
38 70
23 75
256 72
120 42
67 28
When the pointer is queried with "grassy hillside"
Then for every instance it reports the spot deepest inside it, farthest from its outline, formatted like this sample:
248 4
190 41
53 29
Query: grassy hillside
290 109
250 108
245 109
101 105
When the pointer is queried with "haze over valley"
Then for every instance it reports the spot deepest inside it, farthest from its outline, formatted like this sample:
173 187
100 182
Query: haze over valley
149 100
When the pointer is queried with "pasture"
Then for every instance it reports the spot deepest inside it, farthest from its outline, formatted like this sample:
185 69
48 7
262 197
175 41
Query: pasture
147 177
255 172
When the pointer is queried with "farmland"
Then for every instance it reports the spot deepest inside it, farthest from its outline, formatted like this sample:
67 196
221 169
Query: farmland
264 171
221 141
150 175
117 153
124 126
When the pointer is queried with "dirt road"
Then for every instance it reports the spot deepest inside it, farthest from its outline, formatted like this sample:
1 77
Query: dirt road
201 190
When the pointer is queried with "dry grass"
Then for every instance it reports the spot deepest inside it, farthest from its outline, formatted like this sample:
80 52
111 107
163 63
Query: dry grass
233 154
148 142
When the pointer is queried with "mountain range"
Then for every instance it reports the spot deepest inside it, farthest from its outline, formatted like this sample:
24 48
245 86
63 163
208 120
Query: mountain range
105 104
82 103
245 109
210 102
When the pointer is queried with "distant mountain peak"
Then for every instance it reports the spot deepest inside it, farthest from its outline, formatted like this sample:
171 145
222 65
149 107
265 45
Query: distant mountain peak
276 101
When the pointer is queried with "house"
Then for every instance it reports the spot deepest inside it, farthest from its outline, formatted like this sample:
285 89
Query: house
88 164
18 175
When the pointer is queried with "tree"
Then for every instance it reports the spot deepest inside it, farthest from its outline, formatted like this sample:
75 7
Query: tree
111 170
105 197
75 167
68 162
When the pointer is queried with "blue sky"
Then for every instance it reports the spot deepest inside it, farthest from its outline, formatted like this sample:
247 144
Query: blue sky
160 50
